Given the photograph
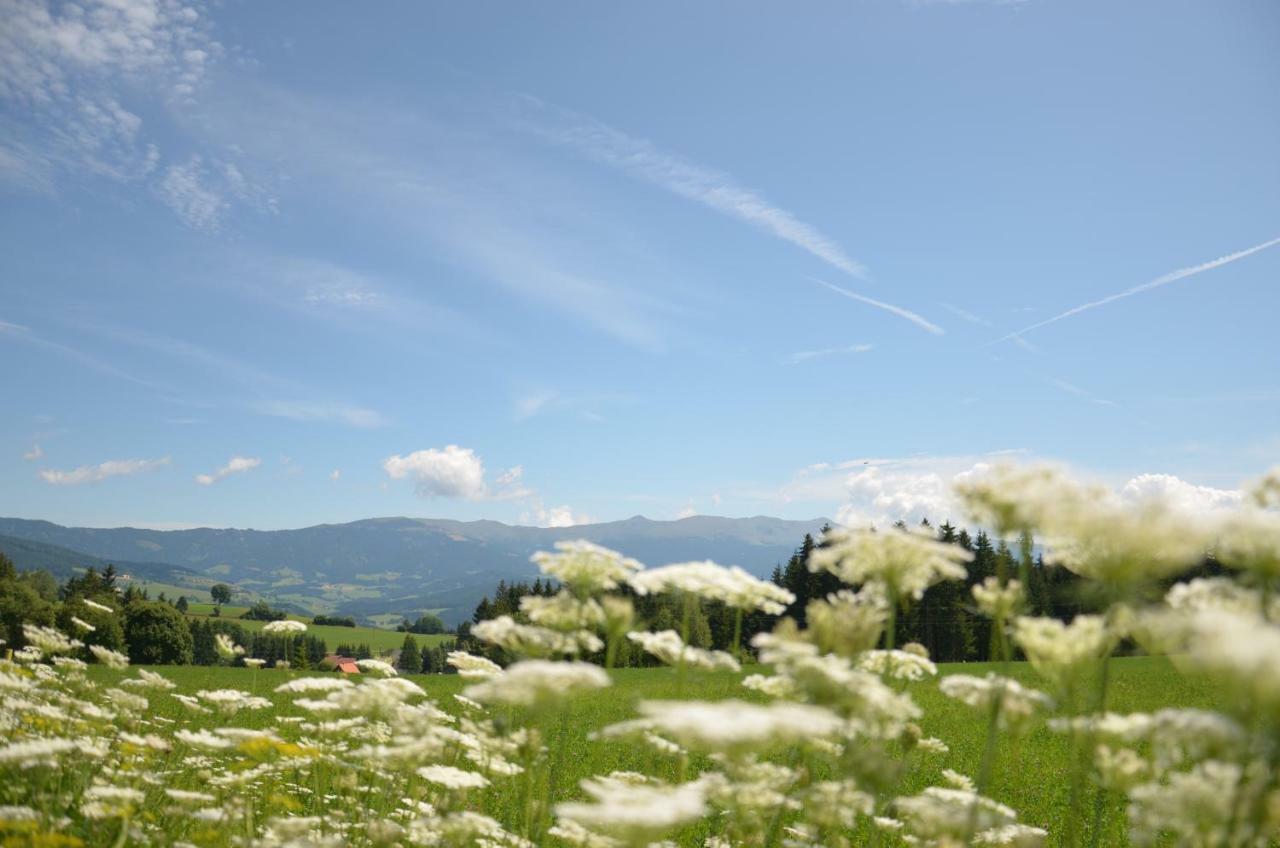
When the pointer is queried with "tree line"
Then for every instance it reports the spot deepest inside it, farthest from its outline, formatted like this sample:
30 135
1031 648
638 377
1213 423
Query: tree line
945 620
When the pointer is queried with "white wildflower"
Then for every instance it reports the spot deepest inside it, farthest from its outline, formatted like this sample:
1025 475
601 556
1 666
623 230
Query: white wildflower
314 684
226 648
94 605
736 725
586 568
284 627
82 624
471 666
377 667
534 681
732 586
938 813
452 778
897 664
671 649
202 739
1060 651
636 812
563 611
49 640
531 640
108 657
905 562
995 601
255 662
1017 702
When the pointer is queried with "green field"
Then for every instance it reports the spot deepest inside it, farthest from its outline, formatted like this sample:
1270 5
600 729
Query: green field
376 638
1030 775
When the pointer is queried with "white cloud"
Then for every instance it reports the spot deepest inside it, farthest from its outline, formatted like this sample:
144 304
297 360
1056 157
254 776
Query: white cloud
67 64
448 472
341 413
35 453
237 465
102 471
335 474
801 356
689 511
697 183
186 190
556 516
1179 494
1171 277
881 491
530 405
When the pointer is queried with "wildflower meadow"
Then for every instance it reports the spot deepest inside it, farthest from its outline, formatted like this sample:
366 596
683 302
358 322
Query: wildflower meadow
1152 719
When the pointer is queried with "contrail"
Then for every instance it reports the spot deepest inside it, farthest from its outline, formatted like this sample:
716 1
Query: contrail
1171 277
692 181
888 307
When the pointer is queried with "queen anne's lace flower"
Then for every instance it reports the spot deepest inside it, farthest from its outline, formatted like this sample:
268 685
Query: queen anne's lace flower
671 649
1017 702
284 627
905 562
731 586
531 682
586 568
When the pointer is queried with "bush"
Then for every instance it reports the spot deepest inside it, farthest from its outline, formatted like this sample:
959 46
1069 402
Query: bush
334 621
262 611
157 634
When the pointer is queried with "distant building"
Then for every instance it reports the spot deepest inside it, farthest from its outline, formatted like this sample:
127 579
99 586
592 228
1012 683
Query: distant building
346 665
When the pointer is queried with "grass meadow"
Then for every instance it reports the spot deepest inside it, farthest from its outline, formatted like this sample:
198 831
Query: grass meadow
376 638
1031 773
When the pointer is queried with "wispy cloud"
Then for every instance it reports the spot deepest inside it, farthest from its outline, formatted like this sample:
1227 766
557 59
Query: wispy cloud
1073 389
187 190
707 186
1171 277
340 413
530 405
237 465
102 471
25 335
803 355
900 311
35 453
964 314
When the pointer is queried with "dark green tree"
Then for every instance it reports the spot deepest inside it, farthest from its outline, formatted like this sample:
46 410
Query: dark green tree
157 634
221 594
410 660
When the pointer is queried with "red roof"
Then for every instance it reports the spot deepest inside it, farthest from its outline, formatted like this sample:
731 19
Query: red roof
348 666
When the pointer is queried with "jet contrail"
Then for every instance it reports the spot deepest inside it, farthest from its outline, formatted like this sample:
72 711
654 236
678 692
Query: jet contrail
1171 277
888 307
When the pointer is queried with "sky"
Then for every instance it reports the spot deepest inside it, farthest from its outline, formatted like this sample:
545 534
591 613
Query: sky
274 265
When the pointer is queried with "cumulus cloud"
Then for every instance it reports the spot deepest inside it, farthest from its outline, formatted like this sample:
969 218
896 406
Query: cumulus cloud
35 453
335 474
448 472
555 516
237 465
100 472
1179 494
878 492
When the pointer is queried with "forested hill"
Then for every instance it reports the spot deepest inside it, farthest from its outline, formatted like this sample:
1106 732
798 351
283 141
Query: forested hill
404 565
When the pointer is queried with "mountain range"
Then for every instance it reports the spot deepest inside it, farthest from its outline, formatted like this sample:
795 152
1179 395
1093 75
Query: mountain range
381 568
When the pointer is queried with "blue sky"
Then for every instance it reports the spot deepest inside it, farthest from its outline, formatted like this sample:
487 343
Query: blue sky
271 265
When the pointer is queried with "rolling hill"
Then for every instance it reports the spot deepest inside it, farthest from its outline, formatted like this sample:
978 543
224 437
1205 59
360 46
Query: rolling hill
403 565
